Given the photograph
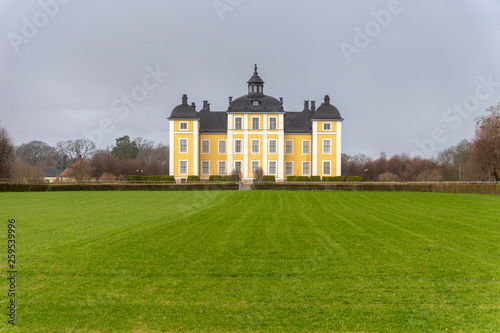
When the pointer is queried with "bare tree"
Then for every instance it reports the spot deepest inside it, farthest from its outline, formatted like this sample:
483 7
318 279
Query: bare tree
258 174
73 149
37 153
486 144
24 172
6 152
80 170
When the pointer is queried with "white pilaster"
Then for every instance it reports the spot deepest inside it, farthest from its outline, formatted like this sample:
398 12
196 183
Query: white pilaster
230 144
196 143
171 170
281 145
339 147
244 172
314 171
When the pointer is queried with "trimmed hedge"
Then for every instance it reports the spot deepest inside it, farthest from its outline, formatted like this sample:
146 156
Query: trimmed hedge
135 178
302 179
153 178
269 179
354 179
315 178
215 178
7 187
334 179
167 179
191 179
291 178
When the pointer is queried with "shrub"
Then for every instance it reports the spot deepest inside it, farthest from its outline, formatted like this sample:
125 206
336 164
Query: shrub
258 174
153 178
191 179
107 177
167 179
354 179
291 178
315 179
334 179
134 178
269 178
215 178
302 179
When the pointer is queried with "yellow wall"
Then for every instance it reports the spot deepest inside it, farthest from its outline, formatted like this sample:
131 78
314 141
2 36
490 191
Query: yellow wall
298 157
213 157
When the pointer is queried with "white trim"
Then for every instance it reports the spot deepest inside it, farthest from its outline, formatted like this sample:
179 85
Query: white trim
234 166
339 148
258 146
244 171
205 174
205 140
235 117
329 124
241 146
275 168
218 168
187 146
323 145
314 171
281 145
323 168
276 118
225 146
187 167
251 166
196 148
172 148
288 174
180 126
255 117
286 141
309 153
302 171
275 146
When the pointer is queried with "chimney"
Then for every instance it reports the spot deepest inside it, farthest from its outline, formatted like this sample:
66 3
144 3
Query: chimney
193 105
206 105
281 101
313 106
306 105
65 161
184 100
327 100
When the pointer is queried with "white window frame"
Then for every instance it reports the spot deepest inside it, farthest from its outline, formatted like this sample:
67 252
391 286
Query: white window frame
275 146
286 147
180 167
222 151
181 124
258 123
330 167
308 147
180 146
255 103
275 168
254 168
329 146
207 163
287 163
241 146
258 146
325 125
240 168
275 123
308 168
203 142
219 168
240 123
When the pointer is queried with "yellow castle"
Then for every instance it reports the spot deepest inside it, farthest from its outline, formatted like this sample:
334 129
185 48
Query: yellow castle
255 132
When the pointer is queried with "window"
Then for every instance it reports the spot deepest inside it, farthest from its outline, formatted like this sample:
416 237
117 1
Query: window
255 166
272 123
222 168
327 126
288 168
326 168
183 167
205 168
255 103
255 146
305 168
183 126
272 146
327 146
183 145
237 146
205 146
237 166
289 147
306 147
222 146
255 123
238 123
272 167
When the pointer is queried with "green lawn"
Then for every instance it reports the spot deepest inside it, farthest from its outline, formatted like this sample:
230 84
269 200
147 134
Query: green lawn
253 261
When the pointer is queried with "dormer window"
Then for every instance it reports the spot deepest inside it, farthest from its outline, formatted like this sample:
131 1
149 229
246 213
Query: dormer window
255 103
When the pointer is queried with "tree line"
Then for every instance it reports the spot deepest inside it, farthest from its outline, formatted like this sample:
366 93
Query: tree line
469 160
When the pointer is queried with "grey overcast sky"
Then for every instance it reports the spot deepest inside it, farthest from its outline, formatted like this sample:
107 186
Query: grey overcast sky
407 76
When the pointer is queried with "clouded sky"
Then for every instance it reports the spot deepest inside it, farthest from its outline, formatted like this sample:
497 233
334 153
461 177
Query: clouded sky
407 76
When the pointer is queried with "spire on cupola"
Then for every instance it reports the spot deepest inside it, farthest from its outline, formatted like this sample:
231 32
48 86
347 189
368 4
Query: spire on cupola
255 84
